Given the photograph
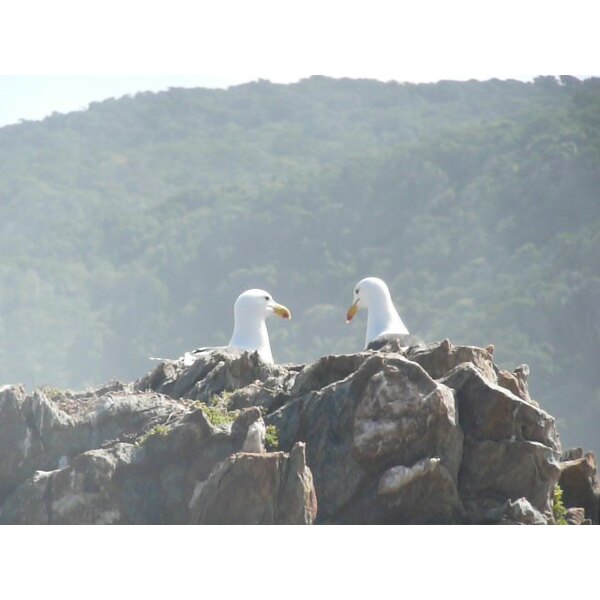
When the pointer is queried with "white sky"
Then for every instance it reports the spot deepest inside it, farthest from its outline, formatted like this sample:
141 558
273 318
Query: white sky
60 55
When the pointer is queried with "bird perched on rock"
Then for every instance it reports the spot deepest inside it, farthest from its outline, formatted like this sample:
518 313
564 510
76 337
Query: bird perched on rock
250 334
250 312
384 324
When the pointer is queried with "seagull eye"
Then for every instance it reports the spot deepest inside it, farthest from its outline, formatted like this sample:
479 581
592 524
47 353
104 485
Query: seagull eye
356 291
267 298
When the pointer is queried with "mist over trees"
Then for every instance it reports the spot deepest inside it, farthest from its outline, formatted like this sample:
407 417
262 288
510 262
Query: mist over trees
127 230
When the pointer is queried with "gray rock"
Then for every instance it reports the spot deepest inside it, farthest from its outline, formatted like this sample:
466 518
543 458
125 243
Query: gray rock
257 489
516 383
520 511
36 434
571 454
249 431
581 485
575 516
506 512
325 371
388 412
83 492
491 412
16 438
511 449
413 494
210 374
157 479
503 470
258 394
430 434
439 359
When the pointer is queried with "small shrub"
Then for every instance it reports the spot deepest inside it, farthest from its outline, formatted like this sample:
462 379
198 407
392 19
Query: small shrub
219 416
272 439
558 507
220 400
157 430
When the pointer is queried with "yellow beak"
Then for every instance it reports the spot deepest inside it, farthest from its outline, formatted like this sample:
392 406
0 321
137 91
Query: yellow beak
352 311
281 311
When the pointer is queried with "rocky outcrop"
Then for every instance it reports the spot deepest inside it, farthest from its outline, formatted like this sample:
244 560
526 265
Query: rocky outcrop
576 516
511 449
428 434
366 431
580 484
264 489
84 492
154 477
48 429
440 359
207 374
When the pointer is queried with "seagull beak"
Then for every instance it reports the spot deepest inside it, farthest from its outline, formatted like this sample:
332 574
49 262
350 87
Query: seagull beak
352 311
281 311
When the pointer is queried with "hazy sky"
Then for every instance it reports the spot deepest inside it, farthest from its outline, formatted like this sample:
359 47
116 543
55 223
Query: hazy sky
61 55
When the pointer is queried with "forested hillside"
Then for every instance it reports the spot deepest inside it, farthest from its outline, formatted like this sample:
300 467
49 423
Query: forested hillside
127 230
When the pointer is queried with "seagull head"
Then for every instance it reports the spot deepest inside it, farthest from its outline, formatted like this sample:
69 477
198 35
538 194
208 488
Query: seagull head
258 305
367 292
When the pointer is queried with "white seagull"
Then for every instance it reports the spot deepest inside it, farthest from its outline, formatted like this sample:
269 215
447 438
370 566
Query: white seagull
383 321
250 312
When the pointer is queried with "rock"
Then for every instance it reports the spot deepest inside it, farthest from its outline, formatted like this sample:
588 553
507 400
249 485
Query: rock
258 394
325 371
503 470
83 492
16 438
250 431
485 511
520 511
511 449
413 494
257 489
387 412
157 480
35 434
402 413
506 512
32 432
298 504
212 373
522 374
516 382
490 412
581 485
439 359
159 483
429 434
571 454
575 516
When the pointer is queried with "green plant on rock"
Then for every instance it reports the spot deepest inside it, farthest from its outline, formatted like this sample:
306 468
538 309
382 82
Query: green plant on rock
52 393
558 507
157 430
219 416
272 439
220 400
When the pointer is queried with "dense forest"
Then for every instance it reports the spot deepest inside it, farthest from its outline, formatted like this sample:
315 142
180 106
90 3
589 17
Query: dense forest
128 229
